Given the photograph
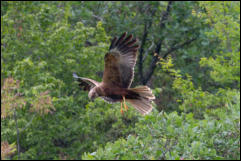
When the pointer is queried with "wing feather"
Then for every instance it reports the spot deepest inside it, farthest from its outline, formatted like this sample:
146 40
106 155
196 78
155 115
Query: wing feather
85 83
120 61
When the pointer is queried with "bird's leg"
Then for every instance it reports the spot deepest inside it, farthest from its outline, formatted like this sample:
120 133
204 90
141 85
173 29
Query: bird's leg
126 107
121 108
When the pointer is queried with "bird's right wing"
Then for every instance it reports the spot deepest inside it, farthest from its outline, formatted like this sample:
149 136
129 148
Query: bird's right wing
85 83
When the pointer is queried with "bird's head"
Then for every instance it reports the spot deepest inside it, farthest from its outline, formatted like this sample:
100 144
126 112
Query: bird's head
93 94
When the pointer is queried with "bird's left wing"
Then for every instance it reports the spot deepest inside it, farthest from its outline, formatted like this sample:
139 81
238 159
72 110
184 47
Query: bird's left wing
85 83
120 62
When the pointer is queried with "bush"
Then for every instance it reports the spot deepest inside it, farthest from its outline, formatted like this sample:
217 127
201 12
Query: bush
172 136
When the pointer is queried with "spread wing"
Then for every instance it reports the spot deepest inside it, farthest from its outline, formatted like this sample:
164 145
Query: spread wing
120 62
85 83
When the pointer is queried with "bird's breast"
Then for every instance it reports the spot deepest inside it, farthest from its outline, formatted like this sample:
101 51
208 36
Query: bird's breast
112 92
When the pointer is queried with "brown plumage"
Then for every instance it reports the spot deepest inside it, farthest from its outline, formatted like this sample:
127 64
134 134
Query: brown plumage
118 75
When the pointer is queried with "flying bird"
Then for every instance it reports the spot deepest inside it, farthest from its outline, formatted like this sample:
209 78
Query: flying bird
117 78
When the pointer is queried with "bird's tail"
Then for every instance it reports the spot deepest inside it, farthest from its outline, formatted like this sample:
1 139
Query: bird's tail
143 102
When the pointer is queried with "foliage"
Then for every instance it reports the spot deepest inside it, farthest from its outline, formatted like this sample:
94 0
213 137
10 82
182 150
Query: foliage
172 136
225 27
190 58
10 99
7 150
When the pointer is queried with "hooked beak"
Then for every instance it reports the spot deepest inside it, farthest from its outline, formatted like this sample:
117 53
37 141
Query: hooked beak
91 98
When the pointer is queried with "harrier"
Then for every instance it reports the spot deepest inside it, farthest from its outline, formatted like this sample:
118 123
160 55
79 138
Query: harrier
117 78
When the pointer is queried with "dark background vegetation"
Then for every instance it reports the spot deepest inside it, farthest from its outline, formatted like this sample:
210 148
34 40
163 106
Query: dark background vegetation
189 55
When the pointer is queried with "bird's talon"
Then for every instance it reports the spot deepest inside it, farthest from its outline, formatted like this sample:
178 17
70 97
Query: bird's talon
122 112
126 107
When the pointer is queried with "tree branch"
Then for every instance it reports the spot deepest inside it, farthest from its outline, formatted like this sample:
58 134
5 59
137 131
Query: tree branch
158 47
16 122
143 42
145 33
156 57
166 14
29 123
178 47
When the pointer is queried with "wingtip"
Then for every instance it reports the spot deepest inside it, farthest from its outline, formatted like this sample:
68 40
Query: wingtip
75 75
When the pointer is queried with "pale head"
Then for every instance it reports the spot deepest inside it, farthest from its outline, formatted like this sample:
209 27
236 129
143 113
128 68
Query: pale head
93 93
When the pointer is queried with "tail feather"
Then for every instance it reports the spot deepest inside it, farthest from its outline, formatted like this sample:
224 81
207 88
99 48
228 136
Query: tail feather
144 92
141 106
143 103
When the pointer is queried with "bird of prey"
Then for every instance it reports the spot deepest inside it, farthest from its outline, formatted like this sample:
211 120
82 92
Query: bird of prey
117 78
